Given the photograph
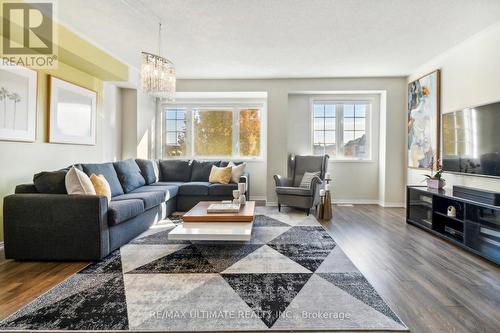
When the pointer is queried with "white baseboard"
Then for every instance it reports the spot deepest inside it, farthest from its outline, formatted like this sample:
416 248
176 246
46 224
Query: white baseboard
1 246
355 202
391 204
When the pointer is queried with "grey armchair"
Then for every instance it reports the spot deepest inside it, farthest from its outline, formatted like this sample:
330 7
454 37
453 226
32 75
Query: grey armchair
287 189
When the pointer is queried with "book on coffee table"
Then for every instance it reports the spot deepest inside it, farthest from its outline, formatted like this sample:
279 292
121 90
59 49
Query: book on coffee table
223 208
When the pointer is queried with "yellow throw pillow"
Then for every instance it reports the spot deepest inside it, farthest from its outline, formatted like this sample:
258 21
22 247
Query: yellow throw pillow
101 186
220 175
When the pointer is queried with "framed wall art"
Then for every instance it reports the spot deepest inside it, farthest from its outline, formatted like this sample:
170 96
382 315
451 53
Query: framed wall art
423 121
17 103
73 113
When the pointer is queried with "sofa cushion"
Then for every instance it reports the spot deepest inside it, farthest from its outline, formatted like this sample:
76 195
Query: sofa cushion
149 170
194 188
122 210
294 191
51 182
168 184
108 171
129 175
175 171
150 199
169 191
200 170
222 189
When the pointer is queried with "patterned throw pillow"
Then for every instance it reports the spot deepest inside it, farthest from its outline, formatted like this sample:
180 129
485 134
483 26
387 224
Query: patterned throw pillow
101 186
307 179
220 175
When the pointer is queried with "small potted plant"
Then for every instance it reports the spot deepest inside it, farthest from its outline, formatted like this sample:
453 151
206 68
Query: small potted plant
435 180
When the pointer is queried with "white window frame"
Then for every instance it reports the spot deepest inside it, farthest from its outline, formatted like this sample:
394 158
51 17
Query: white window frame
339 127
235 107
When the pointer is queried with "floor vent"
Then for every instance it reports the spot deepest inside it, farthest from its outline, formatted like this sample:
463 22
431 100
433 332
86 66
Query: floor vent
345 205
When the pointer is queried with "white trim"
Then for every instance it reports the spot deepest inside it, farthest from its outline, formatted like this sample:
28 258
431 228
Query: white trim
355 201
391 204
257 198
339 124
220 94
218 103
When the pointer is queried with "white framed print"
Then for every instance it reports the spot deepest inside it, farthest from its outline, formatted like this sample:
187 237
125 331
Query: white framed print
17 103
73 113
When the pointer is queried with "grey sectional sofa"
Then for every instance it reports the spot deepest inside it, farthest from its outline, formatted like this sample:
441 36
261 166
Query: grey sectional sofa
43 222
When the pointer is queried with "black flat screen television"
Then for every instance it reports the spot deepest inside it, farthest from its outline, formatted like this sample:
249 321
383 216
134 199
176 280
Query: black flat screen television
471 140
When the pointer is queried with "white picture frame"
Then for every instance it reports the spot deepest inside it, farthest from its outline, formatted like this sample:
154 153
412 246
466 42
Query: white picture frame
73 113
18 93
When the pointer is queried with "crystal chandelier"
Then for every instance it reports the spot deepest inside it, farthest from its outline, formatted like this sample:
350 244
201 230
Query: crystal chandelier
158 74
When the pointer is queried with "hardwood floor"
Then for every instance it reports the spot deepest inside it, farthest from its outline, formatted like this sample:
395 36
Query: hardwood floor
432 285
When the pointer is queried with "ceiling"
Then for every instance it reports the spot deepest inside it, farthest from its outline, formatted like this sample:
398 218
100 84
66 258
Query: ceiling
281 38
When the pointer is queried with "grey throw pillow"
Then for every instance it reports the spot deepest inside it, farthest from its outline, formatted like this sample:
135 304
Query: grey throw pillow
307 179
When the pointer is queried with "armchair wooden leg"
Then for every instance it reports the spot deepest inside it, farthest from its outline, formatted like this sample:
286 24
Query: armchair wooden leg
279 207
308 211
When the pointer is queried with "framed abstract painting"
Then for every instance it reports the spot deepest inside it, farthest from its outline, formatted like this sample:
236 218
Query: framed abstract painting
73 113
17 103
423 121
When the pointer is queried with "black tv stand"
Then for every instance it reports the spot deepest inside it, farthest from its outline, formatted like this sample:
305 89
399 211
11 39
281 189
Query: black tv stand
475 228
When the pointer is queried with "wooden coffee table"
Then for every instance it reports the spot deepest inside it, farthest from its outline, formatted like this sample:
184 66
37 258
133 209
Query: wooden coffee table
200 225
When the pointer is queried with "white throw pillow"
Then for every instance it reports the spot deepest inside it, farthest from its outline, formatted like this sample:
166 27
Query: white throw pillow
237 171
307 179
77 182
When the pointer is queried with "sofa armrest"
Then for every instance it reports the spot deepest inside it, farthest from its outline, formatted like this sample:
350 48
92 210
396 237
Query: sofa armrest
316 183
245 178
281 181
55 227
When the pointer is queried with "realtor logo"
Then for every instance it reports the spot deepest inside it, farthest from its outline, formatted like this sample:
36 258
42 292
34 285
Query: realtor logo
28 31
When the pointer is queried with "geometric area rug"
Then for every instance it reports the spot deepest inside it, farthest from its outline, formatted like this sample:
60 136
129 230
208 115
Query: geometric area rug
291 275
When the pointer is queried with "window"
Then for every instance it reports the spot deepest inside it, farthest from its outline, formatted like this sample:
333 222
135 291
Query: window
340 129
175 132
233 131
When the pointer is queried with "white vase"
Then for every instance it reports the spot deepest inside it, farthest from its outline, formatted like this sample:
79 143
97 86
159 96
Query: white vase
435 183
242 187
243 199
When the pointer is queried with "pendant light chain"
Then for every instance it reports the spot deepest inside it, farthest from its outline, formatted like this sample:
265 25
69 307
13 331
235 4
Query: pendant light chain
158 78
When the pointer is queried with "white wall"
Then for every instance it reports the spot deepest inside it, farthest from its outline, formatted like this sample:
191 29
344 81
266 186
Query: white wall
278 113
129 123
470 75
138 123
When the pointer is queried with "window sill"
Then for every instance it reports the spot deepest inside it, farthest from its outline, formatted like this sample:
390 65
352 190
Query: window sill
214 158
349 160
